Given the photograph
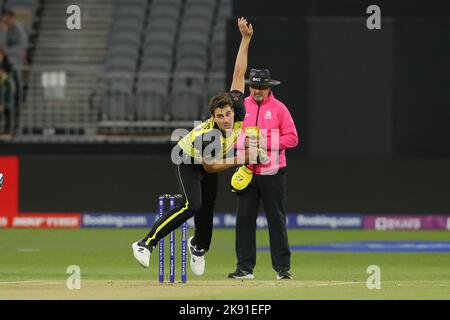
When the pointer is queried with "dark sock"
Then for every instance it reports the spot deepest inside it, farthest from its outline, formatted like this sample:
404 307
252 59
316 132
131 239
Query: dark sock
142 243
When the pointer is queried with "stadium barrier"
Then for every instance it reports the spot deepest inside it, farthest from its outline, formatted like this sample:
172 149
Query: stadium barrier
228 220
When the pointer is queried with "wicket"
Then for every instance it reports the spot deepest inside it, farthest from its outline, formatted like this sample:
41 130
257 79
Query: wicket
161 253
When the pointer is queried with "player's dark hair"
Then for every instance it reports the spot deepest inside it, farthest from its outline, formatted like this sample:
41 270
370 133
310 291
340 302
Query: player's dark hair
221 100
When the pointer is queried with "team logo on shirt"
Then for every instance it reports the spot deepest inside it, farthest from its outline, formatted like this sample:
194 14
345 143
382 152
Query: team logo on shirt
268 115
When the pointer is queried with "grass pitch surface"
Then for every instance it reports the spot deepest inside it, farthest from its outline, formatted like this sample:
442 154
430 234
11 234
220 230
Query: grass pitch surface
33 265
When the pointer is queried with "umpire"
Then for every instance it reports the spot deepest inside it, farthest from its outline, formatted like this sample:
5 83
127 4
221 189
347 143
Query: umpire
268 183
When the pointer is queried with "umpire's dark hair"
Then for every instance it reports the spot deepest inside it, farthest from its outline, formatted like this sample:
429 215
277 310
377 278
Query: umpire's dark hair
221 100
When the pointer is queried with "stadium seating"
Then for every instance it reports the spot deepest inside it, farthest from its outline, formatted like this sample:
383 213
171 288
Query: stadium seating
151 96
152 85
225 9
161 60
118 97
187 98
123 55
188 93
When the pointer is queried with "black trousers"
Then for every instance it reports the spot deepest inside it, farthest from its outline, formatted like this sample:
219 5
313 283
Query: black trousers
271 190
199 190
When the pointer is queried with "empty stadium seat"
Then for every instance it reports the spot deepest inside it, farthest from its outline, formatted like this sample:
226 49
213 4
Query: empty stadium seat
124 37
195 26
158 50
165 12
123 50
187 98
160 37
117 102
200 13
175 3
126 24
151 97
192 65
156 64
190 49
138 3
162 24
201 3
225 8
129 12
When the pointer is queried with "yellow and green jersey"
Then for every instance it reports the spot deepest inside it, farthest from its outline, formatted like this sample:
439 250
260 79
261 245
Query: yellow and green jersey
198 139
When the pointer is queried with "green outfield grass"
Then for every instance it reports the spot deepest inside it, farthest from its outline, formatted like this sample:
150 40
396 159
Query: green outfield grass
33 265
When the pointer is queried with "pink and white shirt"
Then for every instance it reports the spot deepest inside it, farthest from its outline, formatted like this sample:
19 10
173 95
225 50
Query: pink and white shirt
277 131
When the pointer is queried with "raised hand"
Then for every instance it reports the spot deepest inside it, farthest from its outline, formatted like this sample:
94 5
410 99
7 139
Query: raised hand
245 28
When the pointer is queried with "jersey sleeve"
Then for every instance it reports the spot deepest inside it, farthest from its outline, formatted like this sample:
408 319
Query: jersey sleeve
238 105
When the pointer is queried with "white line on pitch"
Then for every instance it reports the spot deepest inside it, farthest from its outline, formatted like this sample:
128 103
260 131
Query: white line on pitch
334 284
28 250
31 282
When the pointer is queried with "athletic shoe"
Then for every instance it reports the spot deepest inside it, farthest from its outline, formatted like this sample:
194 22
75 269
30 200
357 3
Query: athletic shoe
284 275
241 274
142 253
197 258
